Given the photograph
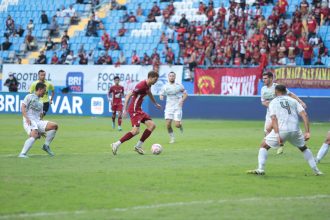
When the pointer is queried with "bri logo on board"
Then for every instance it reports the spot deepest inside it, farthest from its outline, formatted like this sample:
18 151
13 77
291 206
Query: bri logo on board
75 81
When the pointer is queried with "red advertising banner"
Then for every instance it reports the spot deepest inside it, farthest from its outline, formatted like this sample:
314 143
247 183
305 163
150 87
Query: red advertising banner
303 77
227 81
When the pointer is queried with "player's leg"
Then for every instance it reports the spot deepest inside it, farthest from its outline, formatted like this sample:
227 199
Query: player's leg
147 132
268 127
115 146
50 128
170 130
114 112
135 120
310 159
120 113
297 139
262 158
169 116
178 119
324 149
33 135
271 140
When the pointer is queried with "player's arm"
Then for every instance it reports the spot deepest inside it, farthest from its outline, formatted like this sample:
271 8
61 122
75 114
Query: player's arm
52 94
108 95
127 99
162 94
304 116
265 103
152 98
292 95
28 121
184 97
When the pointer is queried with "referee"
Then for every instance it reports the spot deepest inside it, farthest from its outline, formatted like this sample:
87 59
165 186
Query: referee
49 87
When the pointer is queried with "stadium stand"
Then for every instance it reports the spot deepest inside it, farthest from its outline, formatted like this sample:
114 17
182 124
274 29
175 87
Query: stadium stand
178 32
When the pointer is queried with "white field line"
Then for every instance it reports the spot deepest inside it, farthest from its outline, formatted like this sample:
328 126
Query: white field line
161 205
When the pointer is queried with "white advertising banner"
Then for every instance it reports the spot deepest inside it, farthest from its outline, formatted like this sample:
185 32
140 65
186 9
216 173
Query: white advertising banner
90 79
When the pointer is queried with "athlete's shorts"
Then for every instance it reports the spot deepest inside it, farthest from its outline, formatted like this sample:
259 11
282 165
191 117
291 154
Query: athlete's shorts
296 138
175 114
138 117
35 125
45 108
117 108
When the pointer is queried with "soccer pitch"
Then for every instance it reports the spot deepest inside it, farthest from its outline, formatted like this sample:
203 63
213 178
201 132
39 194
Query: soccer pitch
201 176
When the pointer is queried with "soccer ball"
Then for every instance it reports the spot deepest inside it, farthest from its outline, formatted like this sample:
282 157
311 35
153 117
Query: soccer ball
156 149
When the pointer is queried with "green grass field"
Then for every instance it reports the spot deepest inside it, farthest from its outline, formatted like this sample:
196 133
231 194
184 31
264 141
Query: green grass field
202 176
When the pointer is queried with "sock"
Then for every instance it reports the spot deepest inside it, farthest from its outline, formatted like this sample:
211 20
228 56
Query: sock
309 158
113 117
126 137
139 144
145 135
171 135
27 145
119 120
49 137
323 151
262 157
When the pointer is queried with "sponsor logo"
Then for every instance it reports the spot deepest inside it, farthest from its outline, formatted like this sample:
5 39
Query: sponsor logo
75 81
97 105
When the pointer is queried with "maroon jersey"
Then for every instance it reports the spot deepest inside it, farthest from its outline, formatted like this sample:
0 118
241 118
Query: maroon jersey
117 94
139 92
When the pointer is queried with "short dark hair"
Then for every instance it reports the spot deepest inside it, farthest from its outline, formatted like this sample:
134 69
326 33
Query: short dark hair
281 89
153 74
41 71
269 74
40 86
116 77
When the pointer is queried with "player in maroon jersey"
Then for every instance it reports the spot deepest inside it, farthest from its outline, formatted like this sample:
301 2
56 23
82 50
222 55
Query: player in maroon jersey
137 115
117 92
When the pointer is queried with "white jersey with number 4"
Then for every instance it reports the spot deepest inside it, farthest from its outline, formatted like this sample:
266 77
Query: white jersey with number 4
173 93
34 107
286 110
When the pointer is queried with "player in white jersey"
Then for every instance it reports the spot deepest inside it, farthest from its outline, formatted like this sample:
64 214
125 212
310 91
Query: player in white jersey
175 97
284 112
35 127
267 95
324 149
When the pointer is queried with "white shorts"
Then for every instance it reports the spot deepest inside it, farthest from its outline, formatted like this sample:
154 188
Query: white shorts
35 125
296 138
175 114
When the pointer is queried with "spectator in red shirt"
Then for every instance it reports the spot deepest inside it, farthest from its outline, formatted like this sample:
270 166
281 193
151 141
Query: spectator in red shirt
155 54
311 26
201 8
308 54
297 27
105 40
169 58
122 31
54 59
155 10
131 18
289 38
146 60
282 4
135 58
304 7
114 44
